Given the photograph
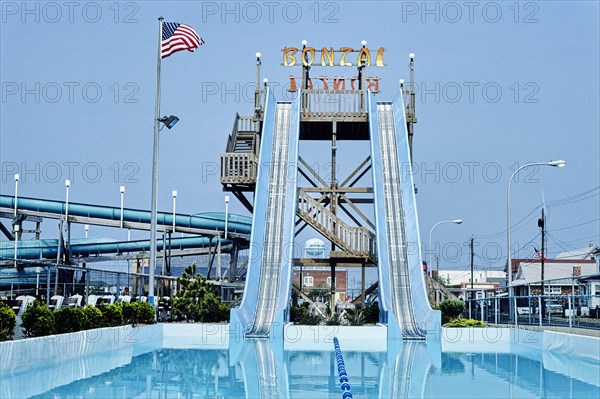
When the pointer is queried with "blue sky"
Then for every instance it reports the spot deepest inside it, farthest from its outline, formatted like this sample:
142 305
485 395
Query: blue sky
500 84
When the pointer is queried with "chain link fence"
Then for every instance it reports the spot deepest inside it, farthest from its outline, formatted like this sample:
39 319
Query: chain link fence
574 311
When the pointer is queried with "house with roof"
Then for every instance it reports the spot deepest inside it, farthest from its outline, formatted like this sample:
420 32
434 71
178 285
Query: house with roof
458 282
559 275
575 272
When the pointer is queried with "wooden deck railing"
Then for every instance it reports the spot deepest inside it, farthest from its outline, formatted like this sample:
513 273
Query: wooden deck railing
238 168
346 105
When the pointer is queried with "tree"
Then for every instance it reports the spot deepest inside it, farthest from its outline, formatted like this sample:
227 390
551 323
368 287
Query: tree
196 299
451 310
7 322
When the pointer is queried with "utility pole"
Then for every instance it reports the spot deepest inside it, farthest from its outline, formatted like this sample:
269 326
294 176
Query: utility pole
542 225
471 294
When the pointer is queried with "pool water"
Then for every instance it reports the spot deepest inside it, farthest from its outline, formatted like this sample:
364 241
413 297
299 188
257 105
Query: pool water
261 369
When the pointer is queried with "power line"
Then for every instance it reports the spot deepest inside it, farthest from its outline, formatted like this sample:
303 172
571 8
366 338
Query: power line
558 242
556 203
575 198
576 225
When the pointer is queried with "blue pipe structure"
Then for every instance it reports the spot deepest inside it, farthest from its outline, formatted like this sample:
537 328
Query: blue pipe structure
209 221
48 249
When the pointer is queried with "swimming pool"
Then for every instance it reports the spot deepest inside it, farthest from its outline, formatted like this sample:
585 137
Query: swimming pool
180 367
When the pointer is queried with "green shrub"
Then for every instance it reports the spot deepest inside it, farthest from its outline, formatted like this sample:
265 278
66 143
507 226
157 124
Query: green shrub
297 313
7 322
93 317
464 323
38 320
370 314
311 319
112 315
451 310
355 317
144 312
68 320
129 312
301 315
333 320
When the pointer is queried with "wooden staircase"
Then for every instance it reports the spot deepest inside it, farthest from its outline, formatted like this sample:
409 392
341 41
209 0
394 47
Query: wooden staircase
356 242
239 162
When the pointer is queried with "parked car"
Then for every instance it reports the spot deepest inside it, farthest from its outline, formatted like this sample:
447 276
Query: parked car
554 307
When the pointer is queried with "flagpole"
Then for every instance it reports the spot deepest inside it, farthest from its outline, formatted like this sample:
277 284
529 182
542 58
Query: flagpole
153 216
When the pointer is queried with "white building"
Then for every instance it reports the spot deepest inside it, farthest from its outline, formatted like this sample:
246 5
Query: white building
458 277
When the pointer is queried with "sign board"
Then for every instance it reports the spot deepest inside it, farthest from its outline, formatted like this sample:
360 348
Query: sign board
344 57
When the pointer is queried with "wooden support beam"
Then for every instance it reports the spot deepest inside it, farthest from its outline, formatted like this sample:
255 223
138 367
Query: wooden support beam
311 170
355 171
360 190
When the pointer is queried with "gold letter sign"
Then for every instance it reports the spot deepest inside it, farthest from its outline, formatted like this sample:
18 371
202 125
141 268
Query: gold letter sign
329 55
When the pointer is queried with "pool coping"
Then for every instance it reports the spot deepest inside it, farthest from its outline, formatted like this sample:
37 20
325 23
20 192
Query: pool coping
19 355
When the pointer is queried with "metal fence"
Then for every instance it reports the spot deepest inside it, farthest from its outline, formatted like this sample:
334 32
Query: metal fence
573 311
47 281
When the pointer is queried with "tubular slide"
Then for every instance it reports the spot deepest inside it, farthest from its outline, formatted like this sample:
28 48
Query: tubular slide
48 249
214 221
264 306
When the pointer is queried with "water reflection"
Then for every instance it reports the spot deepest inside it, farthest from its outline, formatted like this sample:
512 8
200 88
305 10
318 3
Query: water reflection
262 369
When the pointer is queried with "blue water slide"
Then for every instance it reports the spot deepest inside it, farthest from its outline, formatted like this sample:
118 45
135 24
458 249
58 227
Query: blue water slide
264 307
404 305
214 221
427 319
263 367
48 249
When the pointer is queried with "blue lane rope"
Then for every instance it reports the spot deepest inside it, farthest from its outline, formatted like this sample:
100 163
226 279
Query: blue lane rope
344 385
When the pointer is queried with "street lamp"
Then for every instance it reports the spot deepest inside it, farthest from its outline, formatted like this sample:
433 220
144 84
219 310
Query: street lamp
67 185
16 225
16 191
87 228
174 200
556 164
169 122
455 221
122 190
226 213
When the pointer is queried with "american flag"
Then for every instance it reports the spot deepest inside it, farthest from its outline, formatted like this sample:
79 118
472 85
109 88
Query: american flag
177 37
537 254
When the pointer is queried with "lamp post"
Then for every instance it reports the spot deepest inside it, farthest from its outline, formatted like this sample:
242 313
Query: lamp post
174 193
16 226
169 122
556 164
257 105
67 185
16 191
122 190
87 228
226 213
455 221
